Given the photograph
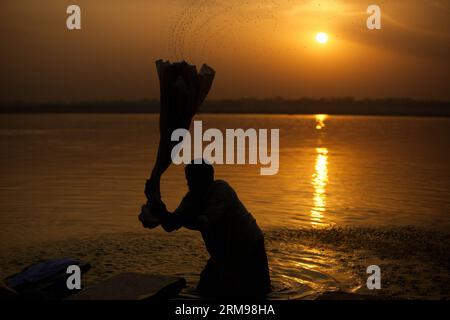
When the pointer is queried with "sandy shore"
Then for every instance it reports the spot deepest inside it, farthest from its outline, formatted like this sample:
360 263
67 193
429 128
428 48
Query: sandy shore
415 263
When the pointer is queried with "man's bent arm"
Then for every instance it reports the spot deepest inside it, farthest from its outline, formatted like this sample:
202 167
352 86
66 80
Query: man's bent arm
174 221
170 221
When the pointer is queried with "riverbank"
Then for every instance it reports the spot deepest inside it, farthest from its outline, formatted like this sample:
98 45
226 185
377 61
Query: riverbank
304 262
331 106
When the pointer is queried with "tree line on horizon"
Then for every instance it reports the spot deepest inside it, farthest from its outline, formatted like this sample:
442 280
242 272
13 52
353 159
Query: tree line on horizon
278 105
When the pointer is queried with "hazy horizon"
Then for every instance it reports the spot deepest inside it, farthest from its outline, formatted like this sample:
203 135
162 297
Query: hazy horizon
259 49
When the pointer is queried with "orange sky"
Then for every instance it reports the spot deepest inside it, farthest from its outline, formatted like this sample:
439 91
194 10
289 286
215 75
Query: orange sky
261 48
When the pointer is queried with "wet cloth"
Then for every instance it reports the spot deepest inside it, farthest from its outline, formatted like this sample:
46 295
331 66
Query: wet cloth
40 271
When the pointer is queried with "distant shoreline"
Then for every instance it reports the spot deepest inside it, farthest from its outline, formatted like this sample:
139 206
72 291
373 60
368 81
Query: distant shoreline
332 106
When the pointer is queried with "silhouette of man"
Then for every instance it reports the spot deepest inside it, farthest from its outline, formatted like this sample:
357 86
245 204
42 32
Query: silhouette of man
238 261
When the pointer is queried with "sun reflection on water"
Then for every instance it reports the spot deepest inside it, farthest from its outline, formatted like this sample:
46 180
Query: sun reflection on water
320 121
319 182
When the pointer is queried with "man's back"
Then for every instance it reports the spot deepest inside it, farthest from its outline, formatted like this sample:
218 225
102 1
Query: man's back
238 263
228 229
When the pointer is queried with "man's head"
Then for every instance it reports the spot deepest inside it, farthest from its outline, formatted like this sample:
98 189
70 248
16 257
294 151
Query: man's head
199 177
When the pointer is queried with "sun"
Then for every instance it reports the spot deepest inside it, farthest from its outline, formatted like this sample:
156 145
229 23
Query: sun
322 37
